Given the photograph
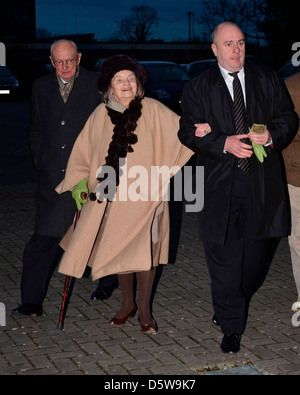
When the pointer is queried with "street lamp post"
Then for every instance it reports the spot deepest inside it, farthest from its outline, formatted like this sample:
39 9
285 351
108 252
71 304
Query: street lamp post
190 15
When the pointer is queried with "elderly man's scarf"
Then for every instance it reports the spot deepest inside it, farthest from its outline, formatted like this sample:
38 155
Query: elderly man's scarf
123 137
66 88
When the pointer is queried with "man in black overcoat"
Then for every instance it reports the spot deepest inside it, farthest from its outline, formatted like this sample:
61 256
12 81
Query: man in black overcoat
61 104
244 208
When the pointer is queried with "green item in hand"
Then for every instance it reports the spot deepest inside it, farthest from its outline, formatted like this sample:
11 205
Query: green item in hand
79 192
257 148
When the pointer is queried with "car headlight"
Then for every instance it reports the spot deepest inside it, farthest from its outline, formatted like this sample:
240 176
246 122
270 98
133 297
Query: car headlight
162 94
16 84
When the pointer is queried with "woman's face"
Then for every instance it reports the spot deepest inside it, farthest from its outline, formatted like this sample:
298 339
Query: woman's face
124 86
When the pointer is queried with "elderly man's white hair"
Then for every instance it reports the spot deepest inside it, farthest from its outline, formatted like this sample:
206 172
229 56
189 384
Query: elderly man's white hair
60 41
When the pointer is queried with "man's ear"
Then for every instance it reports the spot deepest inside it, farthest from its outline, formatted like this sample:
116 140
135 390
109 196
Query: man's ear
214 49
52 62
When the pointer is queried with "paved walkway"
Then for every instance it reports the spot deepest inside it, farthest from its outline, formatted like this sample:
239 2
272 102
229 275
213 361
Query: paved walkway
187 342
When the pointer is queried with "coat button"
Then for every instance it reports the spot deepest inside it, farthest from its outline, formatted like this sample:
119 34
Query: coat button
63 122
63 146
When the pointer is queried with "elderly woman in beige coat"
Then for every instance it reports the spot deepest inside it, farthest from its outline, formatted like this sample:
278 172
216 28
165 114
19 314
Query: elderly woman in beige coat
127 231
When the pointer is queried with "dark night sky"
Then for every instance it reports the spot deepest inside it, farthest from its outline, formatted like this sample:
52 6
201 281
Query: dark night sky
100 17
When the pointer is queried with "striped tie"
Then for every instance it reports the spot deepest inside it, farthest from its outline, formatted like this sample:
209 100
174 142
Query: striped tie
240 119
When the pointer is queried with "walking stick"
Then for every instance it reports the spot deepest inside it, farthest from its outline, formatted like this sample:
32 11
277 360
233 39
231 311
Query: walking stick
68 287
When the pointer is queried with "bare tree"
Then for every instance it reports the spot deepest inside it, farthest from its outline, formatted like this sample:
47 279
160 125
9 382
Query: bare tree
42 34
137 26
282 26
249 15
270 20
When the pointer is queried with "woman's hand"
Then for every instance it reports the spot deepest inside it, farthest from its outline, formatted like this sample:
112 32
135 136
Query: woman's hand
202 129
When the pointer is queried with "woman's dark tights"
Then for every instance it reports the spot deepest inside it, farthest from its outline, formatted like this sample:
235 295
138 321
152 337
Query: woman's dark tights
145 281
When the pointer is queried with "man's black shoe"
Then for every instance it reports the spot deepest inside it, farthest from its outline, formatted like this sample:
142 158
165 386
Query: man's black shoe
231 343
215 320
102 293
31 310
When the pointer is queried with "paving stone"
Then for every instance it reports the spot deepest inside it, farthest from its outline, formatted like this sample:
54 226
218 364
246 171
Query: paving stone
237 371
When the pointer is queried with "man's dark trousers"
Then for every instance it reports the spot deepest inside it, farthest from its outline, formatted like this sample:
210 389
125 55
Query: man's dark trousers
237 268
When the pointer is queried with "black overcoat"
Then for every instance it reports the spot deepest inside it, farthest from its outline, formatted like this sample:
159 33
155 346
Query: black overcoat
54 128
207 99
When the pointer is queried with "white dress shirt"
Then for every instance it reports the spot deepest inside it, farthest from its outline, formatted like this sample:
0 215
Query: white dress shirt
229 79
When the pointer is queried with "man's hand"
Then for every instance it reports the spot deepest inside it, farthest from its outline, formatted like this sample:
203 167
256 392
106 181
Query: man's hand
259 135
80 193
236 147
260 138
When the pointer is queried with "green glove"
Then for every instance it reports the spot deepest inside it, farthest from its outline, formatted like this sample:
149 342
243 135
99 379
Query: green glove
80 193
257 148
259 151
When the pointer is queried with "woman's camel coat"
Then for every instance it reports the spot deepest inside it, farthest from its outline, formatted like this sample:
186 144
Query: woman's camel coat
123 235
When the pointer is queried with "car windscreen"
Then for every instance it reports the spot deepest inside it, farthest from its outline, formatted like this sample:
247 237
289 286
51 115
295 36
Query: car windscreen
166 73
4 71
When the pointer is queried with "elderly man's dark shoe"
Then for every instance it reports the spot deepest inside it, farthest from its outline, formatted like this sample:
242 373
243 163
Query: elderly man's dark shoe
102 293
31 310
215 320
231 343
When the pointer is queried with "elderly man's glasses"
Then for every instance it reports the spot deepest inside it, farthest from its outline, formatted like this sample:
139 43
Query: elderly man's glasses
68 62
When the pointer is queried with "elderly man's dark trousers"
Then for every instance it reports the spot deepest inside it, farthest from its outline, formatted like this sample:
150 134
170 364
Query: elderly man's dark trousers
239 267
40 258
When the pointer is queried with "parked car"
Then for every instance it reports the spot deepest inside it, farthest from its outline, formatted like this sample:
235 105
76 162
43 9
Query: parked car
98 64
9 83
41 71
257 59
196 68
287 70
165 82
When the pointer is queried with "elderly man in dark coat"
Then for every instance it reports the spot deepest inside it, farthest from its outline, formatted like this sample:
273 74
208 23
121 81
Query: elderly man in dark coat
244 207
61 104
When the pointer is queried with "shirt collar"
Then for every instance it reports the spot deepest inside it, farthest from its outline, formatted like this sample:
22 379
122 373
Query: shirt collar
225 72
65 82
